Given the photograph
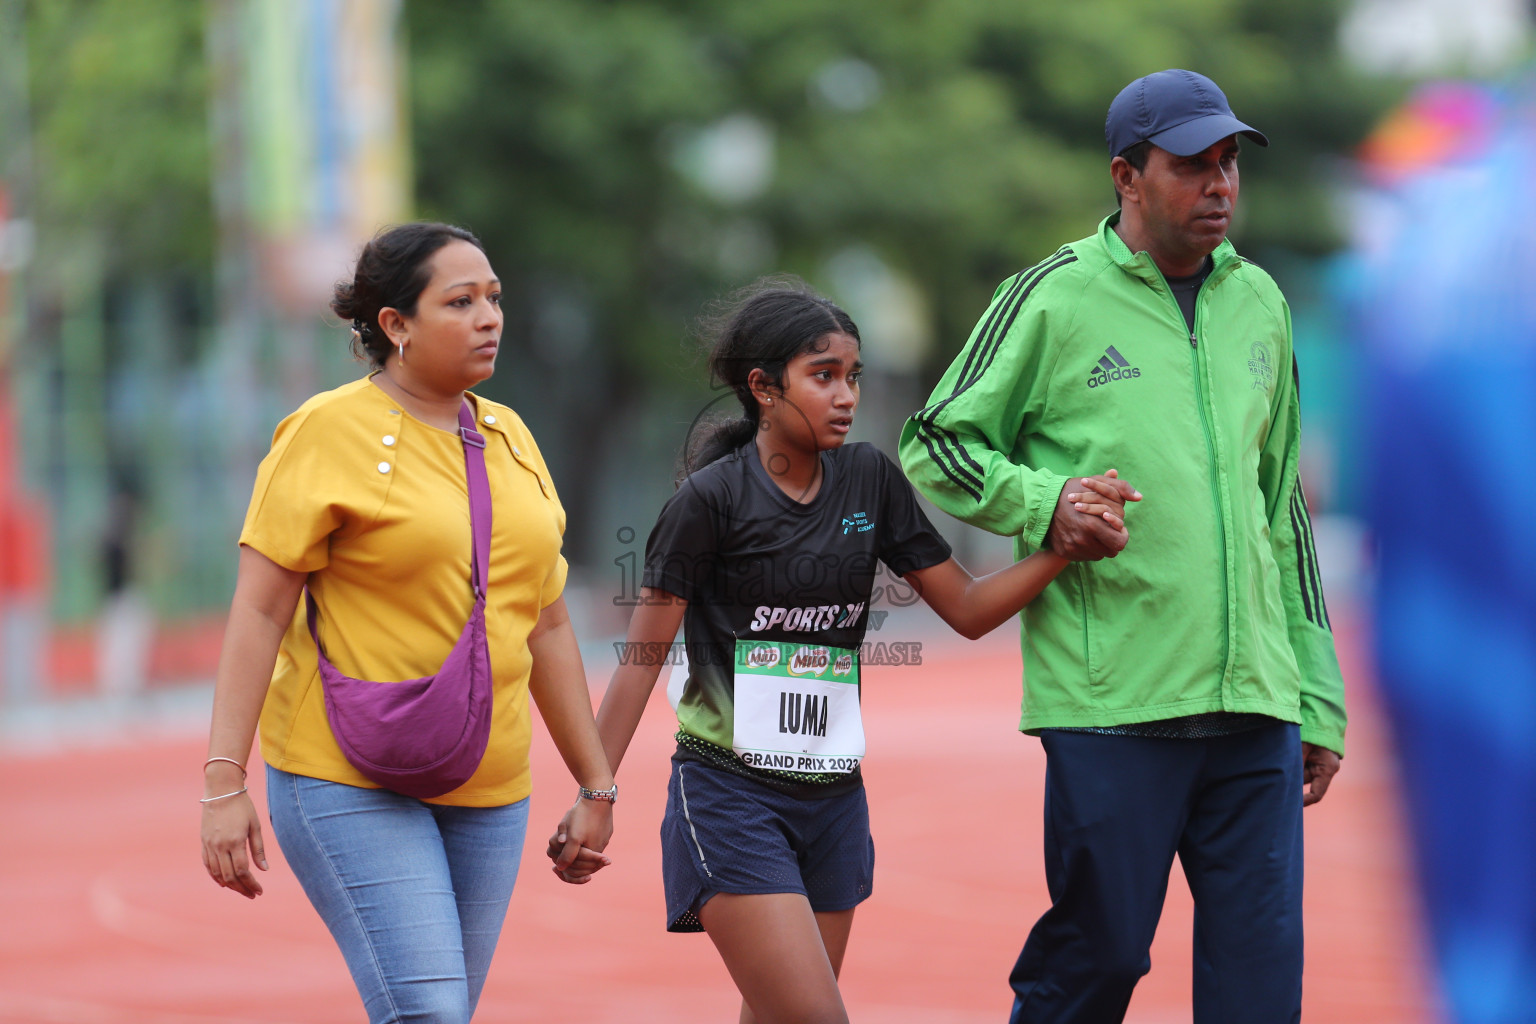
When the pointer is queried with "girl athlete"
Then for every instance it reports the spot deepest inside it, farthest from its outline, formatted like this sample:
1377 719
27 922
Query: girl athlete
767 556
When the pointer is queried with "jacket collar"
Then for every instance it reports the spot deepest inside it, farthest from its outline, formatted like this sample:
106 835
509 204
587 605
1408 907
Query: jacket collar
1139 264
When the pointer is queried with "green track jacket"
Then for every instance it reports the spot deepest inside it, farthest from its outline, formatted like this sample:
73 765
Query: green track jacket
1085 362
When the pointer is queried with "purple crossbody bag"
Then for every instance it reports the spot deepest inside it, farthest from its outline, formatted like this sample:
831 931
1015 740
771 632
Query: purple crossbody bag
424 737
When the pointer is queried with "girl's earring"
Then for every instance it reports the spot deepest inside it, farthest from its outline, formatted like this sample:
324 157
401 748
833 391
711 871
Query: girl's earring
400 347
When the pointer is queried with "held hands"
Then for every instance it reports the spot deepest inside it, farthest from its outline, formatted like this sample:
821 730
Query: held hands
1089 521
1318 767
579 839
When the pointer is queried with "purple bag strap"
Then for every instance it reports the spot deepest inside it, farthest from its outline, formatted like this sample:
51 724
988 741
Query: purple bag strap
479 514
479 499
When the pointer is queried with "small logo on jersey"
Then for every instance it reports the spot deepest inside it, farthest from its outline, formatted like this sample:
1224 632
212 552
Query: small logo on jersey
856 522
763 657
809 661
843 665
1262 367
1112 367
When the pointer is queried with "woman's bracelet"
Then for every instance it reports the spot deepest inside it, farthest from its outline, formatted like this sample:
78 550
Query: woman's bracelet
231 760
221 796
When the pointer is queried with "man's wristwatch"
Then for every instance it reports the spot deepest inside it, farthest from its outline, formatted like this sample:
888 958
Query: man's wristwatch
610 795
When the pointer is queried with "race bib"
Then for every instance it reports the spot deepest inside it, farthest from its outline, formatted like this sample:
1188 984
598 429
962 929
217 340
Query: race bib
797 707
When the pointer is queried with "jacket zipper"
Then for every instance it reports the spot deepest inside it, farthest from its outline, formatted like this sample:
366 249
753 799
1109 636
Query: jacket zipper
1215 477
1210 456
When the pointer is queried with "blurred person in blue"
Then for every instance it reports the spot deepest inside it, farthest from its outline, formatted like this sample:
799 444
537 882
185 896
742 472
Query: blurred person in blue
1448 326
1185 689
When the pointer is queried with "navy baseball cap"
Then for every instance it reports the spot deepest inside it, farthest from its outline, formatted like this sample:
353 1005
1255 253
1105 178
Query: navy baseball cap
1177 110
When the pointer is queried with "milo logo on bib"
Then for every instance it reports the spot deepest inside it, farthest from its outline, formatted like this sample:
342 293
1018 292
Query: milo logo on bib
761 656
812 661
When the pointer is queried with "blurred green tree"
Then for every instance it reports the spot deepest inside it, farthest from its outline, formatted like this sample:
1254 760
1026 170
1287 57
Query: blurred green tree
117 182
626 161
119 110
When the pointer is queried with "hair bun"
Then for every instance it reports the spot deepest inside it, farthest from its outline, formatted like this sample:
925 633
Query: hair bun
391 271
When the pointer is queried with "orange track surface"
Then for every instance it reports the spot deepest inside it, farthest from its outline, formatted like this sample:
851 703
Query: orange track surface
109 918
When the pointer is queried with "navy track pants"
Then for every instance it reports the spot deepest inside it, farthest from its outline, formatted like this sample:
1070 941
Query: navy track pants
1117 810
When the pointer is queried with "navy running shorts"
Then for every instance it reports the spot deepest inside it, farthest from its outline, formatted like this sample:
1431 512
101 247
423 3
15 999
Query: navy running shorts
723 832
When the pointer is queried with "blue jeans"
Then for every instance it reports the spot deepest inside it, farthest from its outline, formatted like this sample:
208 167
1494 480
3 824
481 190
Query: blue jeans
414 893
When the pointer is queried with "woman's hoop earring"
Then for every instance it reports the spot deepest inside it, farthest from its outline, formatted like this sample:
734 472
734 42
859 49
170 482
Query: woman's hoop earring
400 347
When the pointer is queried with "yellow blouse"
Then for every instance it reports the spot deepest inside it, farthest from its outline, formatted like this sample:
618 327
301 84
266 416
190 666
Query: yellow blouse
374 505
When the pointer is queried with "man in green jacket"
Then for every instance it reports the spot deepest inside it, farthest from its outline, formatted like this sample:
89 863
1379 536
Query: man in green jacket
1185 688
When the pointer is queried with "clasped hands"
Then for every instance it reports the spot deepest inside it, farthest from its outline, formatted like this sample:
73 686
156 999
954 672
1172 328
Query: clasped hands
576 847
1088 522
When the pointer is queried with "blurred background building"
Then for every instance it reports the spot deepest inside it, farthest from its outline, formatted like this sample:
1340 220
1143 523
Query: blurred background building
181 184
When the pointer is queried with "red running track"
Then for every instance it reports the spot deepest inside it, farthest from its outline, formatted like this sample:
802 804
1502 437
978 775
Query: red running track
109 918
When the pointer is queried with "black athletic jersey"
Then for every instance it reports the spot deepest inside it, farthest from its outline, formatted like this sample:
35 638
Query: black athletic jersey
776 586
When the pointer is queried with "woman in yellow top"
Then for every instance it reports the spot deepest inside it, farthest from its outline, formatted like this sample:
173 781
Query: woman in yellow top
364 498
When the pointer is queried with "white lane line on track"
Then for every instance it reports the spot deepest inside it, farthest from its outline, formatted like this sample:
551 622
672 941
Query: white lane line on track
117 915
152 928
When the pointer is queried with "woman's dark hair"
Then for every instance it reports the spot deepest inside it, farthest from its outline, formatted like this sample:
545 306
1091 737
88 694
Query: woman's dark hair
391 272
761 327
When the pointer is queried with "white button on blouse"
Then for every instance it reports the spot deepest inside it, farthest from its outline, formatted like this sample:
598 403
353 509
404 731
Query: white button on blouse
389 440
383 467
490 419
